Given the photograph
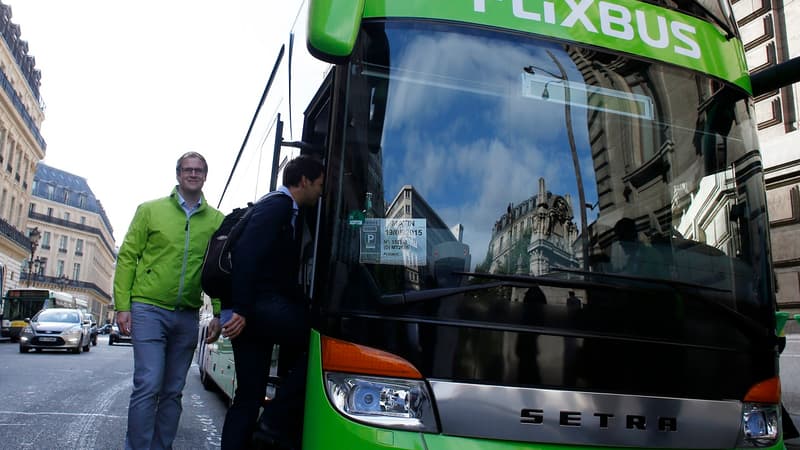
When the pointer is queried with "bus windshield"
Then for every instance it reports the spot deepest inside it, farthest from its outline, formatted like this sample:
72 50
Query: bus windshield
509 181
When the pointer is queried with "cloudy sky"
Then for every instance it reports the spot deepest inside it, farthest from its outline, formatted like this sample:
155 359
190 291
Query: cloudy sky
129 86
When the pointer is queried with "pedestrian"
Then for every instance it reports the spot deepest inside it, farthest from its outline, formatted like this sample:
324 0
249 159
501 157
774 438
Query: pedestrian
157 297
269 308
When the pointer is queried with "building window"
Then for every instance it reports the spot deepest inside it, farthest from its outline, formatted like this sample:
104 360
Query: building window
32 208
79 247
51 190
66 216
82 201
3 203
66 196
49 212
83 220
45 244
60 268
76 271
62 244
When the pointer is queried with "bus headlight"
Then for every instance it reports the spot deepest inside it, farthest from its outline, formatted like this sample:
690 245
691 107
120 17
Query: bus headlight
760 425
385 402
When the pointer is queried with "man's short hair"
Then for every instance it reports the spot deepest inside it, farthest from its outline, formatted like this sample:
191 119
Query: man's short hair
190 155
302 166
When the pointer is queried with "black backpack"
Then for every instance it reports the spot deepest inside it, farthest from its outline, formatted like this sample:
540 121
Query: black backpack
215 277
217 262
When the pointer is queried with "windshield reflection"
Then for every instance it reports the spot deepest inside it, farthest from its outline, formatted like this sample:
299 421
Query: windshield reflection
483 155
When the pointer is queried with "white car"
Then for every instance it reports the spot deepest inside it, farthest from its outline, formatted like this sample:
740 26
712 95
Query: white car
56 328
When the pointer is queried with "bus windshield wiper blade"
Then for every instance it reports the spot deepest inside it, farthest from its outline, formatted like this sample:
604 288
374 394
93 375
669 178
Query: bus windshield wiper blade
433 294
523 281
534 280
668 282
681 286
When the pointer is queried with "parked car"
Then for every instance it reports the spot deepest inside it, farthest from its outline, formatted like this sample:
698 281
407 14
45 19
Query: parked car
56 328
104 329
115 337
93 331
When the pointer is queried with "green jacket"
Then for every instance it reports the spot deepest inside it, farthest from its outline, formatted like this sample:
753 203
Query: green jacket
161 257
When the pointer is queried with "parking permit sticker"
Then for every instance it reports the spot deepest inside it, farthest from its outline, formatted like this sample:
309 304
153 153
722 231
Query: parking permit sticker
393 241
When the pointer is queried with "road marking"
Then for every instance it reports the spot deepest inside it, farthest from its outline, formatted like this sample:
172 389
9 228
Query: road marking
53 413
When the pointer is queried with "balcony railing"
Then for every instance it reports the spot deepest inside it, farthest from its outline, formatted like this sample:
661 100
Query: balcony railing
16 236
52 282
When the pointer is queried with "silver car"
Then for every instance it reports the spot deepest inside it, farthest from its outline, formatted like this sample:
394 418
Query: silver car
56 328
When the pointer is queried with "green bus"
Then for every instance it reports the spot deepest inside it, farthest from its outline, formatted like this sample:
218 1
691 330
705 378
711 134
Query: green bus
543 225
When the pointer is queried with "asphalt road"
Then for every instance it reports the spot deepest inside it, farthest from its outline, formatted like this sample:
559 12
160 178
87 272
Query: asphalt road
56 400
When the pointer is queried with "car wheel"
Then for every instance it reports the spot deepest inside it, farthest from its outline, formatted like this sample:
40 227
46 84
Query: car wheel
23 349
111 340
87 347
94 340
77 349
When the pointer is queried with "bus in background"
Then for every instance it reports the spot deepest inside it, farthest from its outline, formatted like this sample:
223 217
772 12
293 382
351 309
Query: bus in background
543 224
23 303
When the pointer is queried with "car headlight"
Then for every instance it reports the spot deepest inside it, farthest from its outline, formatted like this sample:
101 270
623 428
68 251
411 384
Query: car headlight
73 333
386 402
27 330
760 425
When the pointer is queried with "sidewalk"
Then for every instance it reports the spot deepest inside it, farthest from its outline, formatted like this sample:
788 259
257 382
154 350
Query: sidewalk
794 444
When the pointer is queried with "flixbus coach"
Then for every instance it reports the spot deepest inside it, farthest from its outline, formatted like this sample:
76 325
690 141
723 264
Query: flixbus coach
543 226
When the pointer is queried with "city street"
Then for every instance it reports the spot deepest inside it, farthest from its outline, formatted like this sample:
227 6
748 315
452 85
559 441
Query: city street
58 400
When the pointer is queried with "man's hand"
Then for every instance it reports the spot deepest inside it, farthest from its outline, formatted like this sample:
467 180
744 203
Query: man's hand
234 326
213 330
124 322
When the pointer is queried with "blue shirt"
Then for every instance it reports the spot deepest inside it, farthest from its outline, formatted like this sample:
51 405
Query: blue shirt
189 209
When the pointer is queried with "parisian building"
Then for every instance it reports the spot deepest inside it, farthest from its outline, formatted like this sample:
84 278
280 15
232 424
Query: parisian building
771 36
21 146
76 249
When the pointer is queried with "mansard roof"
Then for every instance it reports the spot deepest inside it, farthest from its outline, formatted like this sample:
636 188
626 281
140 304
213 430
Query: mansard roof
68 189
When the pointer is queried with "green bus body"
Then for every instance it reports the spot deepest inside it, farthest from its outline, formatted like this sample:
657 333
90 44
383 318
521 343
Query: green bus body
543 226
621 25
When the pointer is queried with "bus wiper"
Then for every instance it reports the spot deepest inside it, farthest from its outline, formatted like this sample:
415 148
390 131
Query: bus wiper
433 294
671 283
534 280
757 328
522 281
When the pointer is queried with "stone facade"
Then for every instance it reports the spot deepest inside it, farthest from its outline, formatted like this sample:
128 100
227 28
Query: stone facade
771 35
21 146
76 251
534 235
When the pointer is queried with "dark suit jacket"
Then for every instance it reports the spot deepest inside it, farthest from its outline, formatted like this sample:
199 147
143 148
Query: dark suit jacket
265 257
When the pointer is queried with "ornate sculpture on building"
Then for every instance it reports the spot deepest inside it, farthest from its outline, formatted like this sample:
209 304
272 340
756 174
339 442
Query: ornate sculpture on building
534 236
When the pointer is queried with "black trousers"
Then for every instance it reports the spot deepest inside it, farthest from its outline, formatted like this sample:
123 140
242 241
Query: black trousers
276 320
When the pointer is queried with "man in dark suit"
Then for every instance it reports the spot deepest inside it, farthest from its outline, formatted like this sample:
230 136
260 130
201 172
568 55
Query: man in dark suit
270 308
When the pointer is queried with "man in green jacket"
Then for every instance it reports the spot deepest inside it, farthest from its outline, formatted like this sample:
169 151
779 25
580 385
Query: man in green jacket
157 296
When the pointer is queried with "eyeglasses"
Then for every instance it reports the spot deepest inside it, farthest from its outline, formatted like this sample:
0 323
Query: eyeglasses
193 170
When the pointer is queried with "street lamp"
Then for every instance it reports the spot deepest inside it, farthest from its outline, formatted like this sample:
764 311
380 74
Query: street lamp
62 281
562 78
34 237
